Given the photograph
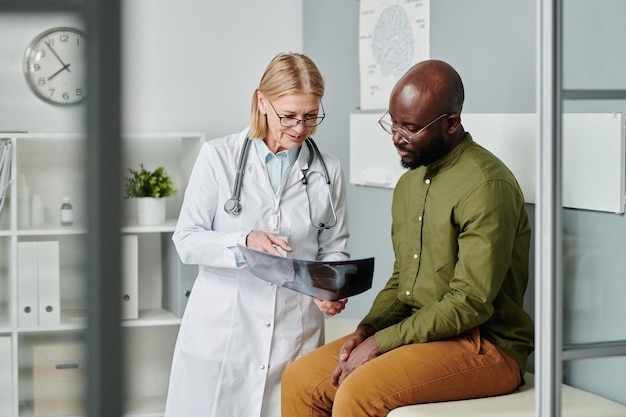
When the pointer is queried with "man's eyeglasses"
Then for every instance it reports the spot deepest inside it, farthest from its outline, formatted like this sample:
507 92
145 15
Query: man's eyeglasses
289 121
388 126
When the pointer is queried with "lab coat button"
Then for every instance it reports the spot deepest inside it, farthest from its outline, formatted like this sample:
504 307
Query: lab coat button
268 324
262 367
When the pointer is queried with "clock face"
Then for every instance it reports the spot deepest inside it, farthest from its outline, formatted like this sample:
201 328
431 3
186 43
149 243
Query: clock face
55 65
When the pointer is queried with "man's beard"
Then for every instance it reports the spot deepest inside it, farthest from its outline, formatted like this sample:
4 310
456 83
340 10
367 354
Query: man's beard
433 152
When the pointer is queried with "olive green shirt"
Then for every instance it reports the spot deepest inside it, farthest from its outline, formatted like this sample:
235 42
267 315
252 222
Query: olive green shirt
461 238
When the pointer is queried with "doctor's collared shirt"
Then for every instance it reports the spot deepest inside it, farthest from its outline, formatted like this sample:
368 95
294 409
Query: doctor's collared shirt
277 166
461 239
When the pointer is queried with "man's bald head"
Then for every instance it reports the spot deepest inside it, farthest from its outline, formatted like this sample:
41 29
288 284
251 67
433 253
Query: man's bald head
431 83
425 105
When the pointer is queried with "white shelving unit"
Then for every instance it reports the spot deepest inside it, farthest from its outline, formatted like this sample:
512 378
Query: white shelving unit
54 166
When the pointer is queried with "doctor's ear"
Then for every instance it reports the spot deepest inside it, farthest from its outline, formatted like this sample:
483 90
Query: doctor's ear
261 102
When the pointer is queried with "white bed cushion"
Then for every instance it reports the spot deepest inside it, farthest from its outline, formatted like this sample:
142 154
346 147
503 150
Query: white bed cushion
521 403
575 402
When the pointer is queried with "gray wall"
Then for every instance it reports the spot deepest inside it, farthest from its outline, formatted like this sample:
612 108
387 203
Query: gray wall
331 39
492 44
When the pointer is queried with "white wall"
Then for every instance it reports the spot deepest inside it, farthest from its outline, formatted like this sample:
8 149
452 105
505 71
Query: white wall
194 64
187 64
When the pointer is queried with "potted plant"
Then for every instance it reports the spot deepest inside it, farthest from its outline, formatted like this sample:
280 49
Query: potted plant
150 189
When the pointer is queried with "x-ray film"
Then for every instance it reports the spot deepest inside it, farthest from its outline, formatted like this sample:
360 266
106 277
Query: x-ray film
326 280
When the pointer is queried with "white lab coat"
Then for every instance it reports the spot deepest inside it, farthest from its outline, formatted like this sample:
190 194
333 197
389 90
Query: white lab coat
238 332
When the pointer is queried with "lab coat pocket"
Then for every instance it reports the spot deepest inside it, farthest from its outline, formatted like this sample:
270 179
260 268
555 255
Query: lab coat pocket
209 317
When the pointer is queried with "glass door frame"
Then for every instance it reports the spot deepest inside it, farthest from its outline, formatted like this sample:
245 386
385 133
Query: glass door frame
105 390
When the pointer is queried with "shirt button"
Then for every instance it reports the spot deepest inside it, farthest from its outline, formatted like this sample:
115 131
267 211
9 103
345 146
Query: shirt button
415 256
270 284
408 293
420 218
268 324
427 180
262 367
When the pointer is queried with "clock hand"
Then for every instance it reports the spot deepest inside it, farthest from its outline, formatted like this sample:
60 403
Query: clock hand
65 67
57 56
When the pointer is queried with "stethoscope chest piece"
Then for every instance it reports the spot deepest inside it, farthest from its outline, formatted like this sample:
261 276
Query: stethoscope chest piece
232 206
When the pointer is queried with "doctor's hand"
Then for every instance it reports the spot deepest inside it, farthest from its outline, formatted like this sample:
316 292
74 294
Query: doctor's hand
357 350
330 308
266 242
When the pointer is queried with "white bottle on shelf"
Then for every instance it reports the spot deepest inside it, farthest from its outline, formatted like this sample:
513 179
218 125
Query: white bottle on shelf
23 203
36 211
67 212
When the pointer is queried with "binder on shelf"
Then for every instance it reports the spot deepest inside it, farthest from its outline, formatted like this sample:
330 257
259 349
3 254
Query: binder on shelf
38 284
49 283
178 278
5 170
130 277
27 284
6 385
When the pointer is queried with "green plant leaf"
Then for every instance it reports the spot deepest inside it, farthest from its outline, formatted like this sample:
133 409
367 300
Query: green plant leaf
145 183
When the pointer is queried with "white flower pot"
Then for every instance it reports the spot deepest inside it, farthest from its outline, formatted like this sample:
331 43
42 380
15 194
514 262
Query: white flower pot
150 211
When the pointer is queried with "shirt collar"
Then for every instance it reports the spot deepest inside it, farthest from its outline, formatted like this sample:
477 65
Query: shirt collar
451 156
266 154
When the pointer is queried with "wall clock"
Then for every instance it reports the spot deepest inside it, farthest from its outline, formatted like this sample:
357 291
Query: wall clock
55 66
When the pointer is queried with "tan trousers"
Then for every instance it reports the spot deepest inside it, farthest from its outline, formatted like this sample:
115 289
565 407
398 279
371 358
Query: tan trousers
466 366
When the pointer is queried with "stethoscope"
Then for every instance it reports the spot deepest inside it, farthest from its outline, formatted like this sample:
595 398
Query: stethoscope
233 204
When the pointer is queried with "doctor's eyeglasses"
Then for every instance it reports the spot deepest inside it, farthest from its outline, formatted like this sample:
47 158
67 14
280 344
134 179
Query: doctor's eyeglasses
390 127
289 121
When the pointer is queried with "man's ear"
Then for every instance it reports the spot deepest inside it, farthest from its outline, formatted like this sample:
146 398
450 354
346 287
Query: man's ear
454 123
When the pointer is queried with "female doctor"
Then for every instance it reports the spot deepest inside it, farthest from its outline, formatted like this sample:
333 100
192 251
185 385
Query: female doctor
263 189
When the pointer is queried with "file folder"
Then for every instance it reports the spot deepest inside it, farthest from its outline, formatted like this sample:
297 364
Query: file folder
27 284
49 283
130 277
178 278
6 386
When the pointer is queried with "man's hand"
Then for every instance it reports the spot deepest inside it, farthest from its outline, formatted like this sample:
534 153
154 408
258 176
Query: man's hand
331 308
357 350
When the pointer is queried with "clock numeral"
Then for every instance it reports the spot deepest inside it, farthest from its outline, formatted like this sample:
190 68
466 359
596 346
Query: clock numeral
36 67
66 95
64 37
79 92
41 81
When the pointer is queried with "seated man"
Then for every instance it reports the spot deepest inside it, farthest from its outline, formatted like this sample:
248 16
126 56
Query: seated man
449 324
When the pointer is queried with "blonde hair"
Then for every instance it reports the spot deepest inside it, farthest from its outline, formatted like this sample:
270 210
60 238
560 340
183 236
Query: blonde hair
287 73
